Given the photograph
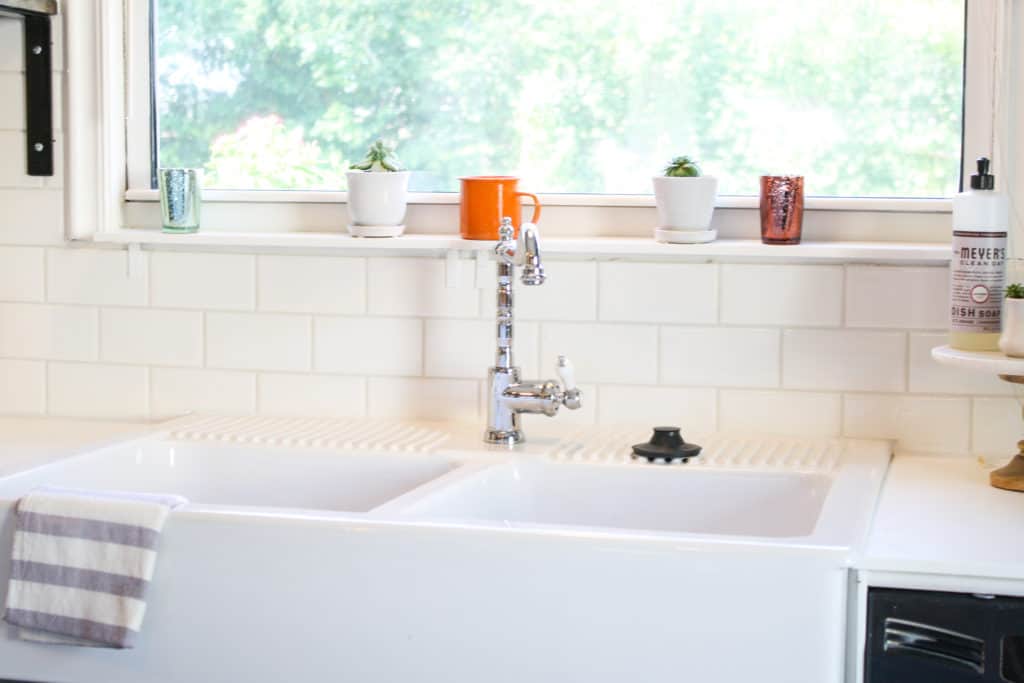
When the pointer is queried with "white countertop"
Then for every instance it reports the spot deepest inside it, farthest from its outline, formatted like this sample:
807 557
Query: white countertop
27 442
939 515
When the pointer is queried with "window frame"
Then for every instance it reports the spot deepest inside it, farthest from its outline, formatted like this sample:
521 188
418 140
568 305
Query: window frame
113 38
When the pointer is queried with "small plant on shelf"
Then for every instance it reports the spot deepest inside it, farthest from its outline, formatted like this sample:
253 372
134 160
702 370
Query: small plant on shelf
1015 291
379 157
377 193
682 167
686 201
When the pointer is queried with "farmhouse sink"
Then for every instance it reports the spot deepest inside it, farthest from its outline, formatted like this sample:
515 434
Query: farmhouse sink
312 553
239 476
637 497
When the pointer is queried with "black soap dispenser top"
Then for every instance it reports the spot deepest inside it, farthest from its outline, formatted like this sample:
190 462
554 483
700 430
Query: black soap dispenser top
983 180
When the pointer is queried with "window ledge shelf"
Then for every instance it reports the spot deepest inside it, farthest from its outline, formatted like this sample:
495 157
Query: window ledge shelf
604 248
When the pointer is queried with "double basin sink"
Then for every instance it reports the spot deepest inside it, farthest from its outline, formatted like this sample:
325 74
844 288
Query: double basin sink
460 563
447 489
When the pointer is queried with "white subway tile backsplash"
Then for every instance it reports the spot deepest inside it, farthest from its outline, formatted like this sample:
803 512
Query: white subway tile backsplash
22 387
312 395
151 336
424 399
623 354
48 332
264 341
11 44
95 390
175 391
996 428
928 377
844 360
693 410
466 348
785 295
417 287
658 292
31 217
22 274
311 284
12 104
794 413
897 297
96 276
720 356
569 294
368 346
206 281
916 423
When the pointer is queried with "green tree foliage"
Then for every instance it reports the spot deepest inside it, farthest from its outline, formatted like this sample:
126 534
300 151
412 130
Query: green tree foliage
860 96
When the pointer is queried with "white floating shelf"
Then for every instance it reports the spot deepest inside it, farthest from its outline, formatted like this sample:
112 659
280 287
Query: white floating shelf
917 253
991 362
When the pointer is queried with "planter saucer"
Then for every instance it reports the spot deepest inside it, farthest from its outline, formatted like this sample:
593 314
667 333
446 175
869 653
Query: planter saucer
684 236
375 230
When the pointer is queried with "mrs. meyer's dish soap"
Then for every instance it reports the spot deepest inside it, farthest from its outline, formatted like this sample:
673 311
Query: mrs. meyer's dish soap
977 273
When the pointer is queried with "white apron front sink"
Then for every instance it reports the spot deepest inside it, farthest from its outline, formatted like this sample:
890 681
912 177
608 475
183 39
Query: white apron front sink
468 564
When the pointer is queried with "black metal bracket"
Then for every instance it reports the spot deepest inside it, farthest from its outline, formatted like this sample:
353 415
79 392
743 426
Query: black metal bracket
38 81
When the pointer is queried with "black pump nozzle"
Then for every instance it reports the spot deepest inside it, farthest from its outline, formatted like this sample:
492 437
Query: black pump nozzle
983 180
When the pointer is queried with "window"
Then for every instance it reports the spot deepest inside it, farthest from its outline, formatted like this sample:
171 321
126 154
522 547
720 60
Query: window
863 97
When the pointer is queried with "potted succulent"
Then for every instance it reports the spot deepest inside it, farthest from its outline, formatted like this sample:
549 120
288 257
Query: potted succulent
686 202
377 193
1011 342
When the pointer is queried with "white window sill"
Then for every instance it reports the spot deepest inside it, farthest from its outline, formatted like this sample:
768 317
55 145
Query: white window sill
629 248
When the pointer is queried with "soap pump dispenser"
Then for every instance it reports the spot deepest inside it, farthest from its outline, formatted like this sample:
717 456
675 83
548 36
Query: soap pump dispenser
977 273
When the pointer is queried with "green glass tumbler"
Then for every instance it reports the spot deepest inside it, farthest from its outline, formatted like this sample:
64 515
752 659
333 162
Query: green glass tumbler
179 199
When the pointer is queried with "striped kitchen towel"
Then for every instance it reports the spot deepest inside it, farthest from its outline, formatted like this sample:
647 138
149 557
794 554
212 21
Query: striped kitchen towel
81 564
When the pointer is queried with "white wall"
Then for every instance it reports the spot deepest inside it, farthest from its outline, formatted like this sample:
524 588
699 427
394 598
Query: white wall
808 349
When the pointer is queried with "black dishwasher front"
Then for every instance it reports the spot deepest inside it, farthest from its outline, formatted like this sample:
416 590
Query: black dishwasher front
937 637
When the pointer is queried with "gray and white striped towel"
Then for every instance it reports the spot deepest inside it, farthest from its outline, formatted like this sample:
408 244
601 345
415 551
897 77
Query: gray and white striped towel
82 562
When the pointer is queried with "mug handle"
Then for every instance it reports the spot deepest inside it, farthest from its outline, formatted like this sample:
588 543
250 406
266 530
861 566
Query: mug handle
536 205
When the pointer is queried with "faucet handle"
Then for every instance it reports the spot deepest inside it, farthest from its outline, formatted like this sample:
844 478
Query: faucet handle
566 372
572 398
506 231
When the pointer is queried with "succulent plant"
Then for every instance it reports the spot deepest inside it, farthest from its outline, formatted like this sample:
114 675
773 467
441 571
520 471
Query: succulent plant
1015 291
379 157
682 167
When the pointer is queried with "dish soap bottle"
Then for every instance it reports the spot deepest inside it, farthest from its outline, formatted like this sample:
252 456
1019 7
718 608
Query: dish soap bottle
977 272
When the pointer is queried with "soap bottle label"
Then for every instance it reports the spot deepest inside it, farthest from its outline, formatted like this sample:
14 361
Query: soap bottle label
977 281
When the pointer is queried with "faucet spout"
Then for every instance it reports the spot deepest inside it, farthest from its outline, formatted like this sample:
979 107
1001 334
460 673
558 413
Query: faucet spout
529 255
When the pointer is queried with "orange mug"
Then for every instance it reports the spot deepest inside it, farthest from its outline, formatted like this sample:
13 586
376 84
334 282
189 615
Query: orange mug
486 199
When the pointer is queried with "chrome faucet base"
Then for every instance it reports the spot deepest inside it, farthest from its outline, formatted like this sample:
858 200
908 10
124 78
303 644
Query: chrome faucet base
504 437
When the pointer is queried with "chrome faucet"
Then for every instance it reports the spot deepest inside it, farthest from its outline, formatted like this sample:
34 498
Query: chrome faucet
509 396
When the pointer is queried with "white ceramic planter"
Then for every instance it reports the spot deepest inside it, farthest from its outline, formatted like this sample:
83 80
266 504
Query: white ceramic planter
377 203
1011 342
685 203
